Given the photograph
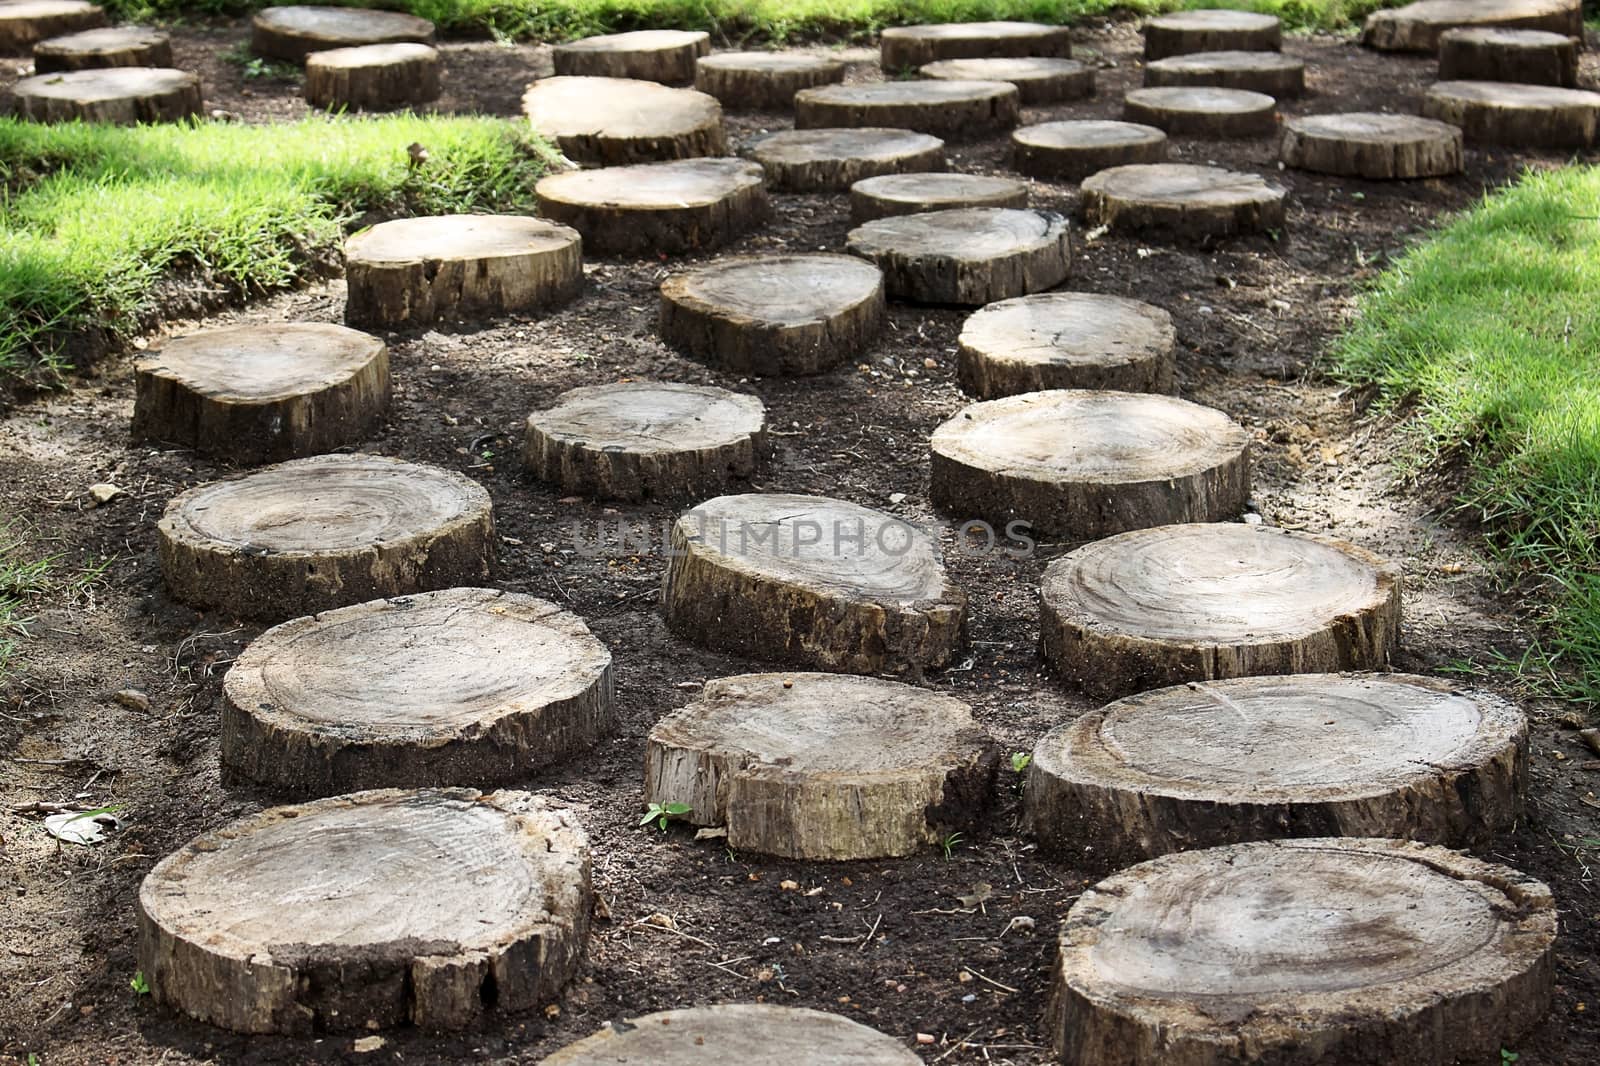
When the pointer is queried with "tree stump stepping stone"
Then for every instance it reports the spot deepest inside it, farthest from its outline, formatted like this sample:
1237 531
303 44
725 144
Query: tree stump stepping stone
464 685
763 81
683 206
373 77
611 122
823 766
646 440
1297 952
909 194
906 48
967 256
1039 79
257 394
1272 73
1526 116
1182 200
1202 111
1417 27
774 315
737 1032
1372 145
954 110
293 33
811 581
24 23
1219 30
1066 340
434 907
123 96
1072 150
1202 602
832 160
1532 57
1258 758
329 531
666 56
110 46
412 271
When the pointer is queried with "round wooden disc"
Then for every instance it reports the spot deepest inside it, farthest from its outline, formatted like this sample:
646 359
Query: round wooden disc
909 194
1182 200
1039 80
24 23
833 160
412 271
958 110
646 440
125 96
1258 758
774 315
1530 116
614 121
811 581
1372 145
1199 602
111 46
763 81
1417 27
1297 952
1067 340
292 33
1075 149
312 534
754 1034
373 77
968 256
1201 111
370 910
822 766
905 48
443 688
649 55
682 206
1532 57
1211 31
1272 73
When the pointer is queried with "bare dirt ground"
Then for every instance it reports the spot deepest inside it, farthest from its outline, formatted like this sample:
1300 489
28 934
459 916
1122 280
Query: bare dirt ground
1254 316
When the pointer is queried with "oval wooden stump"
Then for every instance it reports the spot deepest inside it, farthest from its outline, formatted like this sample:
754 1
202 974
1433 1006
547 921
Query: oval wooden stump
967 256
611 122
463 686
435 908
411 271
1039 80
1073 150
123 96
753 1034
1202 602
823 766
774 315
649 55
646 440
24 23
1200 111
814 582
373 77
905 48
1532 57
292 33
683 206
1184 32
112 46
910 194
1372 145
1182 200
1067 340
329 531
1272 73
833 160
1527 116
1258 758
763 81
1417 27
955 110
1301 952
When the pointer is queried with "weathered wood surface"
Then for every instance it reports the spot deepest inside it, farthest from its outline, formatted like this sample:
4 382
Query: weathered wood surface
832 160
753 1034
294 32
612 122
373 77
1066 340
667 56
905 48
1417 27
909 194
1201 111
1527 116
1533 57
1074 149
763 81
681 206
111 46
1372 145
123 96
1039 80
1272 73
966 256
24 23
954 110
1183 32
1182 200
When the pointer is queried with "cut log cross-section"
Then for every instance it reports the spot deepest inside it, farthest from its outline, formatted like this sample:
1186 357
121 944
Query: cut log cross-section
1038 80
1184 32
823 766
1201 111
752 1034
666 56
1372 145
1073 150
832 160
1532 57
763 81
1182 200
906 48
1272 73
617 121
1417 27
967 256
910 194
954 110
112 46
434 908
24 23
1527 116
293 33
373 77
1067 340
683 206
124 96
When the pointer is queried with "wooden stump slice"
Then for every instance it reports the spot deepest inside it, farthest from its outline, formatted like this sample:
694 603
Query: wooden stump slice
649 55
1220 30
967 256
293 33
646 440
774 315
683 206
1039 80
1417 27
330 531
1297 952
1532 57
373 77
1527 116
811 581
822 766
412 271
833 160
616 121
436 908
1372 145
24 23
1182 200
444 688
955 110
910 194
1067 340
111 46
1200 111
1272 73
905 48
1203 602
1258 758
123 96
763 81
754 1034
1073 150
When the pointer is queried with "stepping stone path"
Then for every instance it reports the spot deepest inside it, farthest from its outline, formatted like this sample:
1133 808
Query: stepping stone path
906 48
1066 340
1200 111
956 110
1039 80
1370 145
1078 465
834 159
1272 73
908 194
1257 758
682 206
774 315
112 46
412 271
1418 27
329 531
649 55
966 256
615 121
1303 951
745 1033
1073 150
1173 604
763 81
823 766
811 581
293 33
645 440
1182 201
373 77
1532 57
1526 116
124 96
460 686
24 23
1211 31
434 908
256 394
